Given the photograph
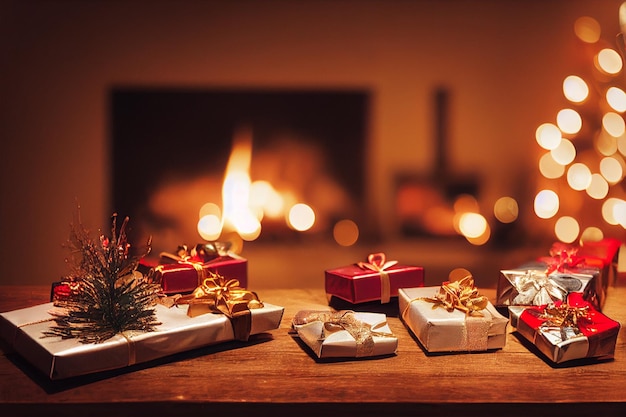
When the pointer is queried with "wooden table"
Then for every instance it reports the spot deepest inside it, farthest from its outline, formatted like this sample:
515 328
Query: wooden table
273 374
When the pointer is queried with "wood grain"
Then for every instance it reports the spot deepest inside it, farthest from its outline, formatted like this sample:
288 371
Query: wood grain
275 374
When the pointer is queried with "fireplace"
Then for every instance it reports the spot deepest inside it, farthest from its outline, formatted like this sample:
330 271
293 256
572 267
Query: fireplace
170 148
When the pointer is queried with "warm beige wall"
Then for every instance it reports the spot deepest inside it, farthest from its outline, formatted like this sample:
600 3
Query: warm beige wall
503 60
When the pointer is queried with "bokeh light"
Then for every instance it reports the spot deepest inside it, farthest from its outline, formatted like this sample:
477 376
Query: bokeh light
548 136
605 144
472 225
482 239
506 209
546 204
619 213
609 61
301 217
611 169
598 187
616 97
575 89
210 227
613 123
346 232
565 153
608 208
569 121
566 229
591 234
587 29
620 145
549 168
578 176
464 203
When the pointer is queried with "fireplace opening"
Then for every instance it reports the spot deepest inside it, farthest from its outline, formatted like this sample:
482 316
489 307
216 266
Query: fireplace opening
170 148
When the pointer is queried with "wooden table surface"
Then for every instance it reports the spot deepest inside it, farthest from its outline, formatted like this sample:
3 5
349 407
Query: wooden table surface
274 374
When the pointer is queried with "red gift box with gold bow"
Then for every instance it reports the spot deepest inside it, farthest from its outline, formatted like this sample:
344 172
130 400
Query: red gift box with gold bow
374 280
186 270
565 331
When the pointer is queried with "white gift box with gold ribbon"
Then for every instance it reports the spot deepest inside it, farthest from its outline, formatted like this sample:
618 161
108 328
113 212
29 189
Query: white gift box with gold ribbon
346 334
440 330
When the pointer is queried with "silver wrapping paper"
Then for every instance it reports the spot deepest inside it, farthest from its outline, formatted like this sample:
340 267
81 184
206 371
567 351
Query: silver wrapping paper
58 358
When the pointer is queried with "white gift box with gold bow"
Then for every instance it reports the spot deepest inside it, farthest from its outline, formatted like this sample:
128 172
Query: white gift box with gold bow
345 334
440 330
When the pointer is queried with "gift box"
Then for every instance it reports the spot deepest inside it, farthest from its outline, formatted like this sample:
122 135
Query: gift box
565 331
62 358
603 254
186 273
531 284
375 280
445 329
345 333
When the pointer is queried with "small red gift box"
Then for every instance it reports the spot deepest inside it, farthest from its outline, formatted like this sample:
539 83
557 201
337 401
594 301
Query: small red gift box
186 276
374 280
603 254
567 331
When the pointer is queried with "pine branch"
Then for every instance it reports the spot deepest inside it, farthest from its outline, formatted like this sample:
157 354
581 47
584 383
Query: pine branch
113 296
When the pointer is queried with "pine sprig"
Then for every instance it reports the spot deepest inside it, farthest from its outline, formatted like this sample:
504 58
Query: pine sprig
113 297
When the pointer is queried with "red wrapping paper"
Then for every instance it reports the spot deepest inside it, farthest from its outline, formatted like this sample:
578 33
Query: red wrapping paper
183 277
599 331
355 284
602 254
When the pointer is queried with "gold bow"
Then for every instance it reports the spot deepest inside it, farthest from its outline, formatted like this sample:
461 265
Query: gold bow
218 295
564 315
378 262
460 295
362 332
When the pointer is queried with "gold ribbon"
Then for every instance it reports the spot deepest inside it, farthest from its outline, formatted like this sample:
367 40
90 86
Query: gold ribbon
564 315
218 295
561 319
460 295
346 320
377 262
463 295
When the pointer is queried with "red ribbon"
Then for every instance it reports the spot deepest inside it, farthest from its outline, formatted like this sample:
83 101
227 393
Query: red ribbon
562 257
